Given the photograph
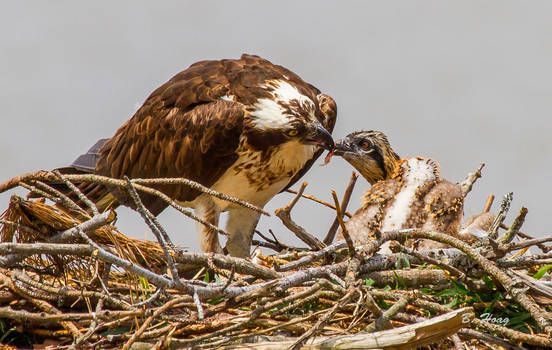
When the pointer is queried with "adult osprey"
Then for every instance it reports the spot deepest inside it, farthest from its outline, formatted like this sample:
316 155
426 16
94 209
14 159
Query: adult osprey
244 127
405 193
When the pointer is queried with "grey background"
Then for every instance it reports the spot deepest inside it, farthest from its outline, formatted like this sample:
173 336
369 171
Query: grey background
459 81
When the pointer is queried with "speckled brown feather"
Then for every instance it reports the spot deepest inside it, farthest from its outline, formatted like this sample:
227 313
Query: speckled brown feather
438 206
184 129
362 225
175 146
435 203
478 225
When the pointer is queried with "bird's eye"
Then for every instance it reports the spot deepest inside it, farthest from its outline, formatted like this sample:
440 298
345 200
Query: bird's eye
365 144
293 132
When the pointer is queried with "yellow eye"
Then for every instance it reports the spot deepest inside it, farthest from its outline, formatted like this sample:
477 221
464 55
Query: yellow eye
293 132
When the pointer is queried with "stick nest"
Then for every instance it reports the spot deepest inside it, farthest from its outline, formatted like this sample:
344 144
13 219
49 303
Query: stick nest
70 279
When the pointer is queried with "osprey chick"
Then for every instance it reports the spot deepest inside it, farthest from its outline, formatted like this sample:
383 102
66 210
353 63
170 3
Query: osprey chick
244 127
405 193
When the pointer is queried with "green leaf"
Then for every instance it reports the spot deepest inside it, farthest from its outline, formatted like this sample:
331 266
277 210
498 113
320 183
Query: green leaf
542 271
423 266
427 290
369 282
460 287
115 331
448 292
488 282
402 262
452 304
143 282
519 327
383 304
519 319
475 296
5 335
399 281
215 301
206 278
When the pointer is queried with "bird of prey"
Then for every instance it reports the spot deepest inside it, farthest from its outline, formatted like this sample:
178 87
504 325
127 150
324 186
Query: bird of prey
244 127
405 193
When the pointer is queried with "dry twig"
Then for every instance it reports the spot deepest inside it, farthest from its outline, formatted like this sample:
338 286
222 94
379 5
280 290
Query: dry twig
285 215
343 206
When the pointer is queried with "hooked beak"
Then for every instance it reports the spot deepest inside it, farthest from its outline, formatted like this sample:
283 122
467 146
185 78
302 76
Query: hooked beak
319 136
342 147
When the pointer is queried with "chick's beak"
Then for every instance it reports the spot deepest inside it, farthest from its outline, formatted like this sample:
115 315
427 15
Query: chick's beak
342 147
319 136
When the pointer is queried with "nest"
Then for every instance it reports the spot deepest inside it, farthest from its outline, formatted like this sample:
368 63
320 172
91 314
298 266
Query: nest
71 279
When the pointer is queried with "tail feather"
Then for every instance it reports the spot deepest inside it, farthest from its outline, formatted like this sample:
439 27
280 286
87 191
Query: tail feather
103 196
87 162
98 194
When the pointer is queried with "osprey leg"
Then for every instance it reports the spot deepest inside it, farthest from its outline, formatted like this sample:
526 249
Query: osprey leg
208 238
240 227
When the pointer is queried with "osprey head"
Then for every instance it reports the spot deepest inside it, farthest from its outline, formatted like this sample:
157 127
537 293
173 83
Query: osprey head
370 153
286 114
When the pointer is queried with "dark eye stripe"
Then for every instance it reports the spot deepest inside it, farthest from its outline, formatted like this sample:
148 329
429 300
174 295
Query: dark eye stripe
376 155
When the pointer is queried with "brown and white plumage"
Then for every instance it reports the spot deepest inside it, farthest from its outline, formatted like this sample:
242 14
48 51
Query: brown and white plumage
405 193
244 127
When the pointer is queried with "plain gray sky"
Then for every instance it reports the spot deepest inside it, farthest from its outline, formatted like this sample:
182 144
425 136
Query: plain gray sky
462 82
